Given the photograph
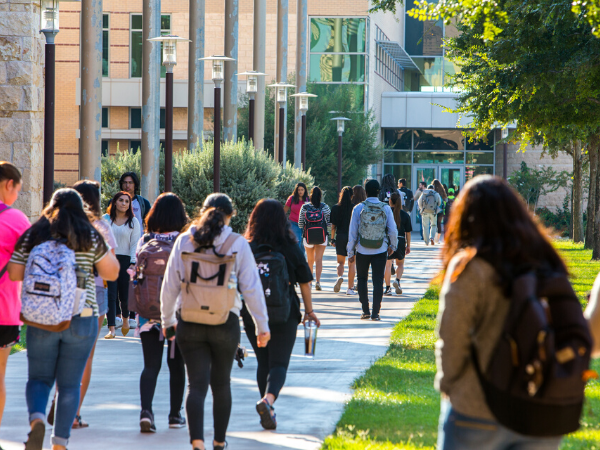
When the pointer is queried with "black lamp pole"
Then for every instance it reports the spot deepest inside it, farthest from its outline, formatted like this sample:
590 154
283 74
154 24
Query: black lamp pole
49 118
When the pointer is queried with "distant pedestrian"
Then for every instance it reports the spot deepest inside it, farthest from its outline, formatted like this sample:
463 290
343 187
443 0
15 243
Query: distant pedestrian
314 222
127 232
358 194
269 236
418 193
13 223
207 344
409 199
429 205
404 226
448 208
292 206
388 187
130 183
440 214
341 213
58 342
373 236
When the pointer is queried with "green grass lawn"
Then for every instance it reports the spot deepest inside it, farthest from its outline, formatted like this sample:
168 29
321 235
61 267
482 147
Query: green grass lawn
394 405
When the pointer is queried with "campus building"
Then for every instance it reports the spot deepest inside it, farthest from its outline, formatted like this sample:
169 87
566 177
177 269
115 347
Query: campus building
395 63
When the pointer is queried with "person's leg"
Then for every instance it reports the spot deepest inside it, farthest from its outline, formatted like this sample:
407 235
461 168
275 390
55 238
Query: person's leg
362 273
280 351
112 305
176 377
388 273
351 274
433 224
378 263
123 288
87 372
4 353
298 233
310 257
152 348
341 261
400 269
319 252
440 216
425 227
262 355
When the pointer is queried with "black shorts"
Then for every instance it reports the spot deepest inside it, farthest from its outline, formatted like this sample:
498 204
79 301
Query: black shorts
341 242
400 252
9 335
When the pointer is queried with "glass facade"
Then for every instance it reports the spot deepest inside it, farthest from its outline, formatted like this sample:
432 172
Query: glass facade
105 45
136 44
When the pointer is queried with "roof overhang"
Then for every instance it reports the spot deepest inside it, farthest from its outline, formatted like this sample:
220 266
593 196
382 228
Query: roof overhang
398 54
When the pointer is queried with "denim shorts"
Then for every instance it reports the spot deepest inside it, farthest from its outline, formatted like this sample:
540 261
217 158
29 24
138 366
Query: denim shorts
102 300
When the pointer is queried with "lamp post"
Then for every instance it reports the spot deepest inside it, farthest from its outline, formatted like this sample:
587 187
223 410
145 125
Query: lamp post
169 42
251 89
282 100
341 124
218 61
49 26
504 154
303 107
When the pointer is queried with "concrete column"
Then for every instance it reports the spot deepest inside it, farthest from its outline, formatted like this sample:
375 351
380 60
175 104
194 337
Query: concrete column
230 91
90 122
150 99
196 75
259 56
22 98
301 55
282 47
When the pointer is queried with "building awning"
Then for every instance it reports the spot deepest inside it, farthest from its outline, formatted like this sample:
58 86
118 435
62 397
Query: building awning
398 54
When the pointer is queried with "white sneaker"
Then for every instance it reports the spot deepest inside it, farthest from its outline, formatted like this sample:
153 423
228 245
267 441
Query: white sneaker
338 284
350 291
397 286
118 322
132 323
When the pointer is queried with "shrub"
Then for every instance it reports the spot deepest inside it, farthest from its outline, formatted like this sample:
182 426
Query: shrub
247 175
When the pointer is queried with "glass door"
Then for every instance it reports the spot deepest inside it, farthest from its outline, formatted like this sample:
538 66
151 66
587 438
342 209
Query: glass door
426 174
452 176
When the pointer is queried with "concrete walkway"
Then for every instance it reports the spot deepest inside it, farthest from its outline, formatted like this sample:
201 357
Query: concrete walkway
308 408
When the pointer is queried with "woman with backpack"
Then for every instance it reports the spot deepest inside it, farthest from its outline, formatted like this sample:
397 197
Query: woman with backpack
62 238
388 187
437 186
403 223
270 237
209 343
127 231
164 222
13 223
313 221
492 240
340 225
292 206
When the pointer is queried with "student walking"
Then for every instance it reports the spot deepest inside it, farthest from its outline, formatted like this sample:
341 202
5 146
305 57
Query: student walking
130 183
208 342
59 342
13 223
441 209
492 241
164 222
314 221
404 226
292 206
373 236
127 231
429 204
270 239
340 227
409 199
418 193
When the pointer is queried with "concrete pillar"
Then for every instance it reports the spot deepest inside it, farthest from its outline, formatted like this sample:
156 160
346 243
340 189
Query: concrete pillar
150 99
196 75
230 91
259 56
282 44
301 55
22 98
90 122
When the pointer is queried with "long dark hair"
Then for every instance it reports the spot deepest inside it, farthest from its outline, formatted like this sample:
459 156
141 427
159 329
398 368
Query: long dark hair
211 221
490 220
440 189
358 194
167 214
345 204
90 193
396 207
296 196
64 219
268 224
315 196
388 183
134 177
112 208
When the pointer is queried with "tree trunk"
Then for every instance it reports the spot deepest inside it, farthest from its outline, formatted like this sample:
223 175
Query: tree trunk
576 205
592 241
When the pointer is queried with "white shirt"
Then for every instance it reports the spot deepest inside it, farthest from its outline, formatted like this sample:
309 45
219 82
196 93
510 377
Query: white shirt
126 237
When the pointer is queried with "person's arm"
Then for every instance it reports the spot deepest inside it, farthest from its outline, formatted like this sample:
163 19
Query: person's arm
353 232
407 232
301 218
392 230
408 236
592 314
333 233
288 205
171 287
309 313
16 271
136 233
108 267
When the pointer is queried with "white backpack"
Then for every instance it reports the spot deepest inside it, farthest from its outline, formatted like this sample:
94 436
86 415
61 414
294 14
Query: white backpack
430 204
50 296
372 229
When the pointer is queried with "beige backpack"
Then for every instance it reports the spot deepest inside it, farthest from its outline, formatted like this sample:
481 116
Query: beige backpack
207 293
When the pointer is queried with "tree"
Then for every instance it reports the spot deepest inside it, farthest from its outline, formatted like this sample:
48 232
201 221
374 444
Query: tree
532 183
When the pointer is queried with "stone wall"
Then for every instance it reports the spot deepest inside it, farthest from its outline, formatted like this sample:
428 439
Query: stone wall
22 98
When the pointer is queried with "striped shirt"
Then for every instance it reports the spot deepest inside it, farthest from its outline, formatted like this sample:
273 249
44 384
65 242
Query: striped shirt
310 207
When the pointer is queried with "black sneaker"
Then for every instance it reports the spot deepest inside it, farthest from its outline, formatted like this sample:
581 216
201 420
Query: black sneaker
176 421
375 317
387 290
147 422
365 316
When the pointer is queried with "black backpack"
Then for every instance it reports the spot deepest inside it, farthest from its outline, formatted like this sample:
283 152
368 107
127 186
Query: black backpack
315 225
410 199
275 279
534 383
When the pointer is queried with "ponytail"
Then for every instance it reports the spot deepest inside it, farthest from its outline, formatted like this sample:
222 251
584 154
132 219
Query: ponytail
209 226
396 208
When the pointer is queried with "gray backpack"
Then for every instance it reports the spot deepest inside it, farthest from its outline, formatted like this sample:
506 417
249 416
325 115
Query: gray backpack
430 204
373 225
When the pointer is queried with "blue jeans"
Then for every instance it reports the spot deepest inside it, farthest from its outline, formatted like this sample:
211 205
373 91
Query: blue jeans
298 233
59 357
459 432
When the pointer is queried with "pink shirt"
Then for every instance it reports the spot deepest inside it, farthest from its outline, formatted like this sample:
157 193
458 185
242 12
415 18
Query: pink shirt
13 223
294 208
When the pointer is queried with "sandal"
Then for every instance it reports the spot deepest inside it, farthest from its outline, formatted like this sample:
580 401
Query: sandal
79 423
268 421
109 336
35 438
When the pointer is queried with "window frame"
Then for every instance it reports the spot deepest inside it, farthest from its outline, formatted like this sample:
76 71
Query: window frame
163 69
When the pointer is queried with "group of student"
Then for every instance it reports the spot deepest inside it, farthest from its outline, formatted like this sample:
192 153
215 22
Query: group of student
433 213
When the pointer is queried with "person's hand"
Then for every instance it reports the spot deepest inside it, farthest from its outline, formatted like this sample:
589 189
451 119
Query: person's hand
263 339
164 330
390 251
311 316
352 259
332 242
408 250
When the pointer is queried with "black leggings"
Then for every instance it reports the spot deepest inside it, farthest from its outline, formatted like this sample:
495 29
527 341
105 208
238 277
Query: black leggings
153 348
274 359
118 293
440 228
208 352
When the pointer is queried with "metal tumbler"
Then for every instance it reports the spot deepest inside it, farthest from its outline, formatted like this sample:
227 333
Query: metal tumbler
310 338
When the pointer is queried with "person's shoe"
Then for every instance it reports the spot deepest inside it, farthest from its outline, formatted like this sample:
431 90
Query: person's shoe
397 286
50 417
375 317
35 438
132 323
125 327
79 423
338 284
426 242
318 286
365 316
110 335
176 421
267 420
118 322
432 243
350 291
220 447
387 290
393 269
147 422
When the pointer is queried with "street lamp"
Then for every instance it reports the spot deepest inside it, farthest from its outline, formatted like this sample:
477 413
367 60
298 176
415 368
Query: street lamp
303 107
281 99
504 154
341 124
49 26
218 61
251 89
169 42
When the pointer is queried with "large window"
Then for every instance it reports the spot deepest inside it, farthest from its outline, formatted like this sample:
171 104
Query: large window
105 117
135 118
105 45
137 41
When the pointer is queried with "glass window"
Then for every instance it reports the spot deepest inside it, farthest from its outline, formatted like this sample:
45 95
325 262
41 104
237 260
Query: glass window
135 118
480 157
337 68
400 139
399 172
338 35
135 146
485 144
439 140
163 118
137 41
473 171
431 77
439 157
423 38
104 147
105 117
136 21
105 45
396 157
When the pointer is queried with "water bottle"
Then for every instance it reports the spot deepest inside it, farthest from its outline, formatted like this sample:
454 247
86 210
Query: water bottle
233 282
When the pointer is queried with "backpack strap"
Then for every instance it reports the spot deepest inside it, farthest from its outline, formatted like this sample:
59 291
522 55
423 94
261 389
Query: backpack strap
4 207
226 246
